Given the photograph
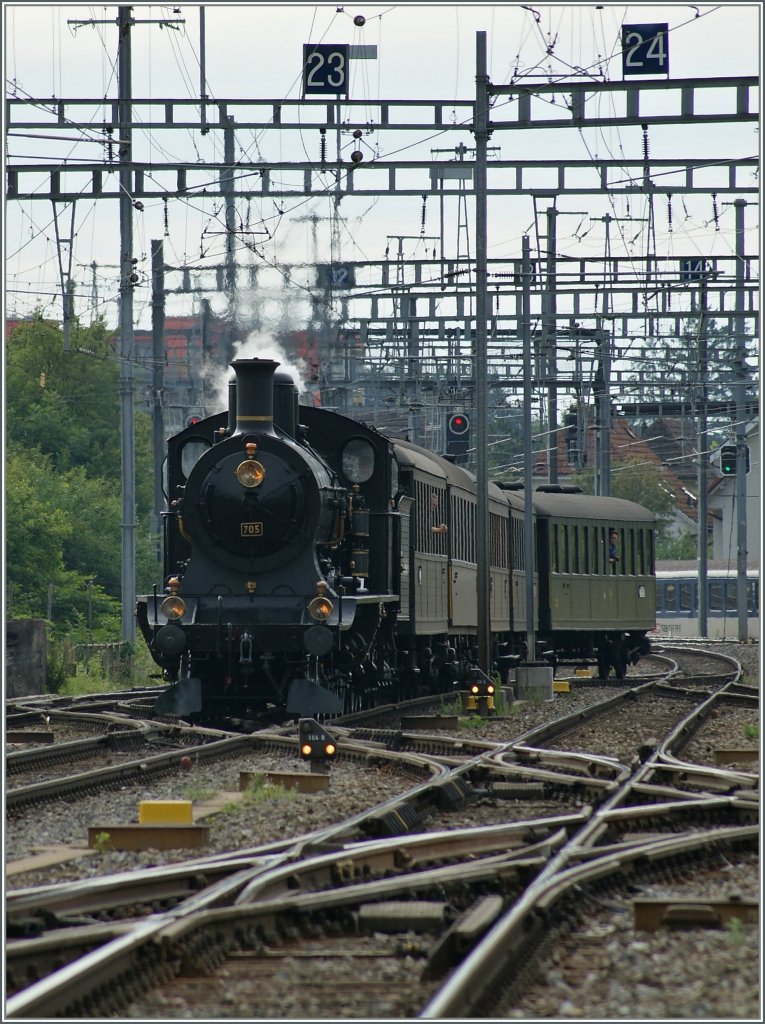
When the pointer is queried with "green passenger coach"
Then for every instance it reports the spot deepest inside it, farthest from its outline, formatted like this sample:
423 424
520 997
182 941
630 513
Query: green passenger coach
597 585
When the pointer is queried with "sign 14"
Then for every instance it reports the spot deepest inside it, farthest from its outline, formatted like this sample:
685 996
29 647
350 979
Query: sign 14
645 50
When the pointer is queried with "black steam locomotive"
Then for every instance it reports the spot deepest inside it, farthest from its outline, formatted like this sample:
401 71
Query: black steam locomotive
314 565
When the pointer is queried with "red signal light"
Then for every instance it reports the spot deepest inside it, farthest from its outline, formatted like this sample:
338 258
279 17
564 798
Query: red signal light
458 423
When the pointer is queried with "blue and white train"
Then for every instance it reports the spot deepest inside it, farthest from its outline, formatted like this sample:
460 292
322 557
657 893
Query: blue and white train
677 599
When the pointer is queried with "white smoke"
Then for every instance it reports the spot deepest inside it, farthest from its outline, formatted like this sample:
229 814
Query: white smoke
257 345
260 345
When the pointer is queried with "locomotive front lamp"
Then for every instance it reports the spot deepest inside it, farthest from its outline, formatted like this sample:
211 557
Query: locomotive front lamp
173 605
320 608
250 473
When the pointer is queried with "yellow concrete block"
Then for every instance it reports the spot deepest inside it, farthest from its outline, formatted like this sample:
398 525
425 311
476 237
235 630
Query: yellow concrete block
165 812
586 672
561 686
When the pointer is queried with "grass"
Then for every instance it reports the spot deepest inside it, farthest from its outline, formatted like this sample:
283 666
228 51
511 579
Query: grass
735 931
259 792
751 731
197 793
77 675
102 843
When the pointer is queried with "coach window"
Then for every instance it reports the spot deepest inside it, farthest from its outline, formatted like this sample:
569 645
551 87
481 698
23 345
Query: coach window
715 596
575 549
586 550
731 596
564 551
555 561
641 553
670 597
686 604
752 599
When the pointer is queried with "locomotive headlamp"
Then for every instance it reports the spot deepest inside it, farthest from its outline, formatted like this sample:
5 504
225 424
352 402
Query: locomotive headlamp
250 473
173 607
320 608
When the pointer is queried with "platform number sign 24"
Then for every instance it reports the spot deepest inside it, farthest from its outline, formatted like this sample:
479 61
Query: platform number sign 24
325 69
645 50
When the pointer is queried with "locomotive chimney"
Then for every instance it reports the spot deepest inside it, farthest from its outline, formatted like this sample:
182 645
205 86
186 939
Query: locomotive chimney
254 395
285 404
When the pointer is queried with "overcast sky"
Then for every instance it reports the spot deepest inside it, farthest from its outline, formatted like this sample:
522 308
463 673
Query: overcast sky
423 52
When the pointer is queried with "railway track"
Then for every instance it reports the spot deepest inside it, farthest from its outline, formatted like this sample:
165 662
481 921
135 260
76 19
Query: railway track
415 886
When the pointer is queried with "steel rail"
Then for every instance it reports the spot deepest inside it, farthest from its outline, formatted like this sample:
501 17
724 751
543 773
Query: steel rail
489 960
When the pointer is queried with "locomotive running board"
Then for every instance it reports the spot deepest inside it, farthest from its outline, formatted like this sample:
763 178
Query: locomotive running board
182 698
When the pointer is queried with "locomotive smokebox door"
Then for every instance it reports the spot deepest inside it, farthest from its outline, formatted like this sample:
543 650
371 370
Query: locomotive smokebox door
315 744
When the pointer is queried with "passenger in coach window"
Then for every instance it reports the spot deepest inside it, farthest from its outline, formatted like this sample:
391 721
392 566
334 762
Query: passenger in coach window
613 556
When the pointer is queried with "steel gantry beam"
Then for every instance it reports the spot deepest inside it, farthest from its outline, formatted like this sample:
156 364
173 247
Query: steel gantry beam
527 106
542 178
98 120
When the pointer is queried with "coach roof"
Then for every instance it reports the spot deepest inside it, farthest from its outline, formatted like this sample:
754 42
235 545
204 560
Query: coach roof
585 506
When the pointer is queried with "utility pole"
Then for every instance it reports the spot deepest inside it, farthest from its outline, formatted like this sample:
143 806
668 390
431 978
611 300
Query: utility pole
227 188
603 386
127 275
740 397
158 373
128 279
701 507
528 468
483 576
602 393
549 342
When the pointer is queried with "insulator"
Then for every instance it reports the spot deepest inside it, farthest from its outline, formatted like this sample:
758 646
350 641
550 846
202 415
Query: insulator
357 134
646 145
357 156
323 145
360 20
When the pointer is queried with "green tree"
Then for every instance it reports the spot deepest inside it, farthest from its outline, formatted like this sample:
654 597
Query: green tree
63 476
64 404
39 529
682 548
638 482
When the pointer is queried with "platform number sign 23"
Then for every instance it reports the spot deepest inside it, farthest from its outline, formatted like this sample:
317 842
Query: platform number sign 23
325 69
645 50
